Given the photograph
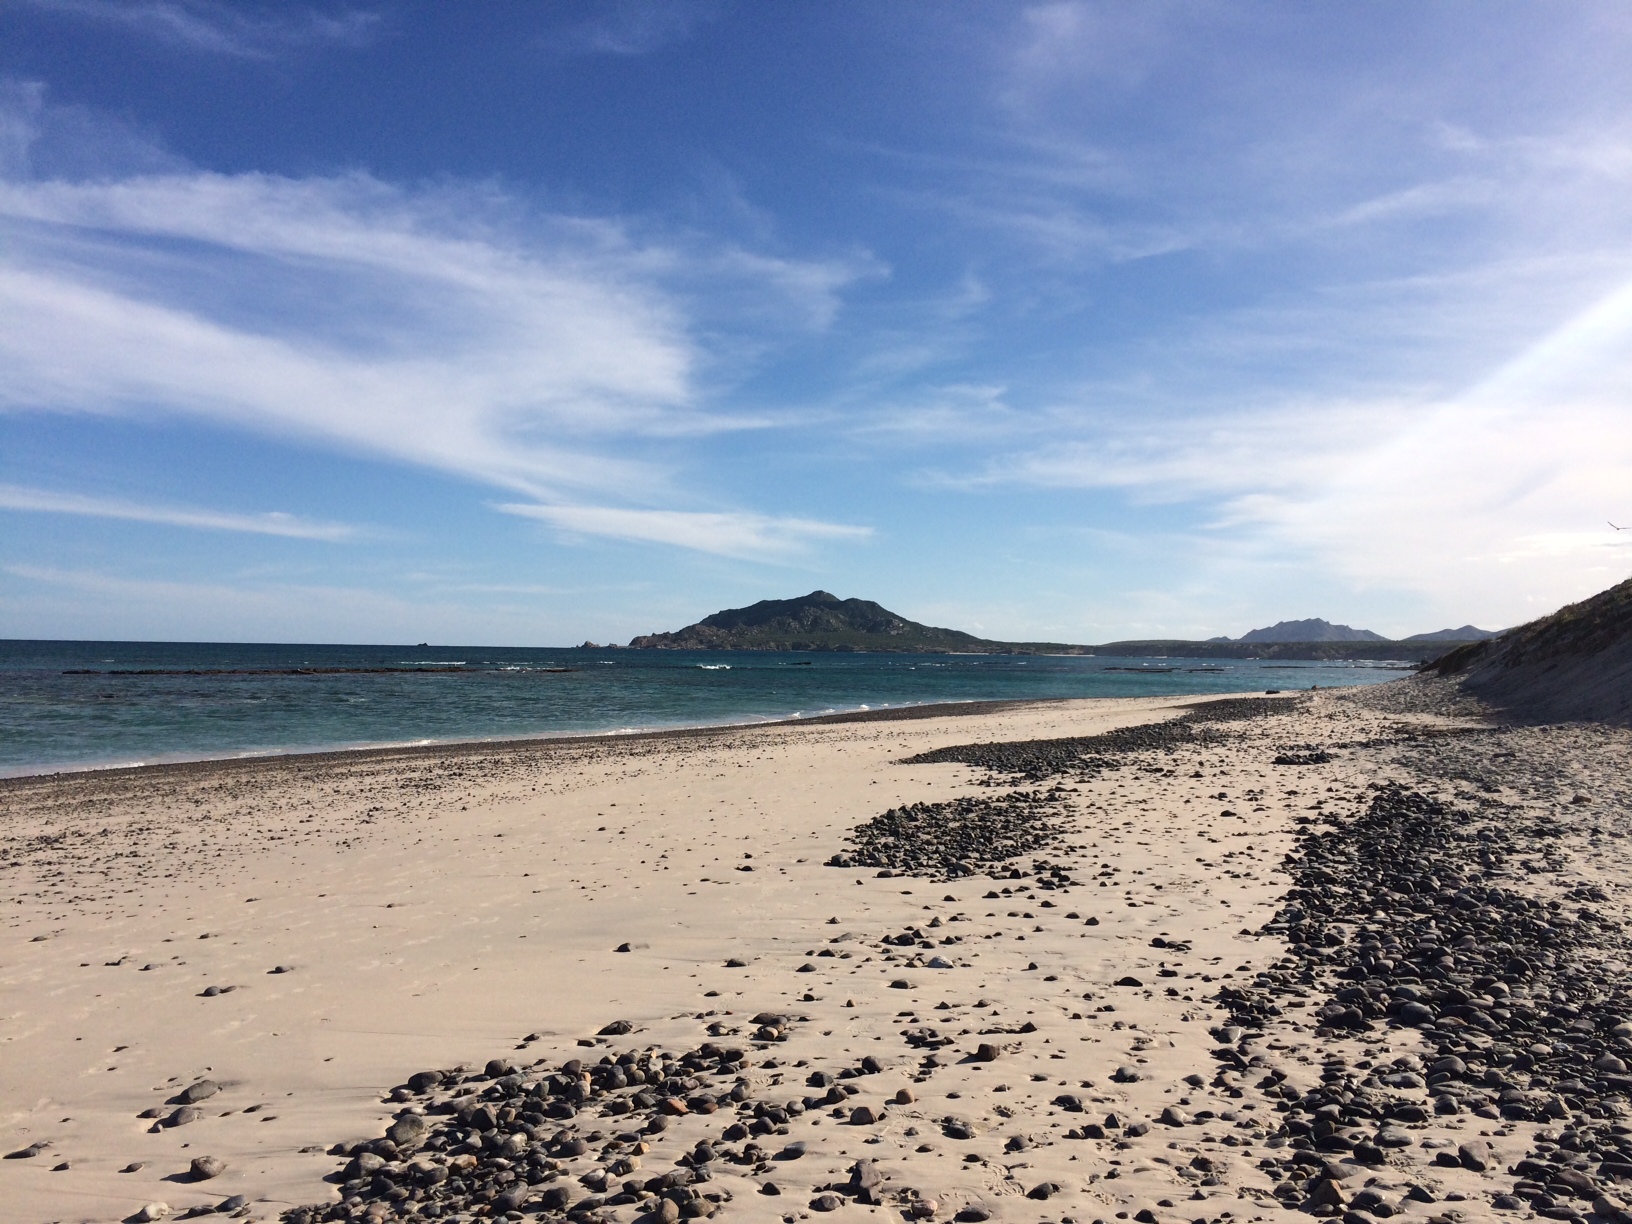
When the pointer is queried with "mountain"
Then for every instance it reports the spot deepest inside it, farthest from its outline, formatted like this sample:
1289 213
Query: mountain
1468 633
1573 665
1310 631
822 621
818 621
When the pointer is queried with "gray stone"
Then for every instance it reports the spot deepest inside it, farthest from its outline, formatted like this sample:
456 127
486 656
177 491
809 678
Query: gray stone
204 1168
407 1130
203 1090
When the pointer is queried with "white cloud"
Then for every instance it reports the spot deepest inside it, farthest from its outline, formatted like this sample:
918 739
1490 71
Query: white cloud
273 523
222 29
749 536
632 27
1491 502
443 328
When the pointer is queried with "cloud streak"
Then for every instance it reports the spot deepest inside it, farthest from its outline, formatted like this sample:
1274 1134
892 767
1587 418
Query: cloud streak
744 536
552 356
221 29
272 523
1448 497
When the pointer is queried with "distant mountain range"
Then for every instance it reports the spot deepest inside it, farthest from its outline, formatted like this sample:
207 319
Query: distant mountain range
1306 631
824 622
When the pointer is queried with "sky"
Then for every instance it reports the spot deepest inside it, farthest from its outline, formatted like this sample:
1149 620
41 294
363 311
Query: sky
522 324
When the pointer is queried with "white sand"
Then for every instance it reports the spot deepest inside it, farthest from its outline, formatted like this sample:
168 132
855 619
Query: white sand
434 908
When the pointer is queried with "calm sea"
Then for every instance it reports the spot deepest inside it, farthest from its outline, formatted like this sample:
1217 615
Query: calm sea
76 704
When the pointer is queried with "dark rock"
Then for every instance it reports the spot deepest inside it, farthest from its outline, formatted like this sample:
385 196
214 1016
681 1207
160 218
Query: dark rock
203 1168
203 1090
407 1130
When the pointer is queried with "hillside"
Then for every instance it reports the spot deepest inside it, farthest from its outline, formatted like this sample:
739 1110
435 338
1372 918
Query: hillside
824 622
1573 665
818 621
1468 633
1315 630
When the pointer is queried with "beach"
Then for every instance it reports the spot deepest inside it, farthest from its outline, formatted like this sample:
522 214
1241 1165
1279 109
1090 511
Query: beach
1098 1003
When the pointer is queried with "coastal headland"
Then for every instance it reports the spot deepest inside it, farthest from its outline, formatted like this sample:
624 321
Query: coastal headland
1351 953
821 621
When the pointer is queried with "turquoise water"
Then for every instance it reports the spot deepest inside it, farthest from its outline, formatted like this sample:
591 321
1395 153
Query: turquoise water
74 704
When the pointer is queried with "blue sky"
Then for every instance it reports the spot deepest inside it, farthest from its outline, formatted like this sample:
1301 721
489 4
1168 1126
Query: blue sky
524 324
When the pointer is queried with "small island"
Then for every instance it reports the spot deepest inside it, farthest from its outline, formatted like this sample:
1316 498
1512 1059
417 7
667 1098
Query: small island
822 621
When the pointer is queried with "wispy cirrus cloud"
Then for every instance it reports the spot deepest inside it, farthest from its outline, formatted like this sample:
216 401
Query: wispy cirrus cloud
745 536
631 27
1448 496
272 523
239 31
449 328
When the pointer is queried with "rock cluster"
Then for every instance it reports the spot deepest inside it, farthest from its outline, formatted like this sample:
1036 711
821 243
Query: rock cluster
568 1142
1078 756
962 836
509 1139
1397 917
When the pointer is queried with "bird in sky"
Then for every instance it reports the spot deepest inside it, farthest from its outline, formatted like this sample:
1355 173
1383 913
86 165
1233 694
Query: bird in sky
1617 528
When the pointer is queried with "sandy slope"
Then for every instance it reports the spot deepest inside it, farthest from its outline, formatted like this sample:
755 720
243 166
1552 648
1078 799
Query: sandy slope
434 909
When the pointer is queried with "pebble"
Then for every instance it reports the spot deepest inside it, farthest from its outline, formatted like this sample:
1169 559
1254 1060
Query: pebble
153 1211
1404 915
203 1168
203 1090
407 1130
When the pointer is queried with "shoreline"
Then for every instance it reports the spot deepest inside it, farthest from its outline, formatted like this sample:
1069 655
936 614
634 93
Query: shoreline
934 709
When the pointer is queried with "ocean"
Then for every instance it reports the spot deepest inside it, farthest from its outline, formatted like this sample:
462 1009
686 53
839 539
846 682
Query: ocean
69 705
